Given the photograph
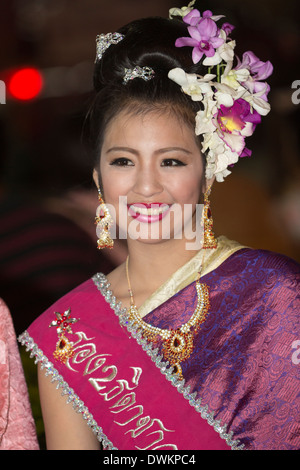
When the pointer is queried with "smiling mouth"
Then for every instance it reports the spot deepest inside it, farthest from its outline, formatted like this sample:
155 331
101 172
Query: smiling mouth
148 213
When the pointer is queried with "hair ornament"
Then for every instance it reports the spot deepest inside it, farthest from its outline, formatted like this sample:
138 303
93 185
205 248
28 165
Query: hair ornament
233 96
104 41
146 73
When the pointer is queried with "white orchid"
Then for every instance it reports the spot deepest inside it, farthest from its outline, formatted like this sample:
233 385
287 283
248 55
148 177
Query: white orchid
234 78
213 170
191 84
204 118
224 95
259 104
219 158
181 11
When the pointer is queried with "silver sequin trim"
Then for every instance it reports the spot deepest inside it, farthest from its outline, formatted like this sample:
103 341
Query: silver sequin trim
102 284
78 405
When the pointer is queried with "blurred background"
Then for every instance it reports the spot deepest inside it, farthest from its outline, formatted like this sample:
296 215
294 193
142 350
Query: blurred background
47 199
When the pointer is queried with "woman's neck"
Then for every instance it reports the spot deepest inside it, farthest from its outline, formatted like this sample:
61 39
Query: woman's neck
150 265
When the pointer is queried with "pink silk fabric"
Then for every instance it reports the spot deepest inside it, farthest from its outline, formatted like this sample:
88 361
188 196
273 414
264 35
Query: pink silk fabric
17 428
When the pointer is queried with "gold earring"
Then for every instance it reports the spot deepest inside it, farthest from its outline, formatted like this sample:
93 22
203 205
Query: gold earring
209 241
104 221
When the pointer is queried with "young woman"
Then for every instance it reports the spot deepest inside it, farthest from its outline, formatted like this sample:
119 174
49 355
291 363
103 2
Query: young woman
185 345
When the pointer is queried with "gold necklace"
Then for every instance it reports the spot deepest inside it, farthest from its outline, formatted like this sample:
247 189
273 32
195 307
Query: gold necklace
178 344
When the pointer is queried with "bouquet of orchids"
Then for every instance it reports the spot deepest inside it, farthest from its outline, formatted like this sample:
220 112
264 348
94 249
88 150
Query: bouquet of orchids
234 97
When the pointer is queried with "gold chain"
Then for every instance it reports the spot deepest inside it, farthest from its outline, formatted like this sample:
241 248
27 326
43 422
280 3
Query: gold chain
177 344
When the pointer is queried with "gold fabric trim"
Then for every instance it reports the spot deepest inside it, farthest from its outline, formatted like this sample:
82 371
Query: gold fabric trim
188 273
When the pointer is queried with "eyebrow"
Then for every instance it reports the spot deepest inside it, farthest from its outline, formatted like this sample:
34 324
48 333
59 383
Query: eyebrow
160 151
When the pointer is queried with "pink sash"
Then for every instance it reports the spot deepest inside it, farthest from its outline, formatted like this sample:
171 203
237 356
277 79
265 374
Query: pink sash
124 393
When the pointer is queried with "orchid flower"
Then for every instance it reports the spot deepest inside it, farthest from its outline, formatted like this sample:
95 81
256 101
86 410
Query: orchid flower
225 95
219 158
194 17
228 28
235 123
192 84
181 11
258 69
233 99
234 78
258 102
224 52
204 118
223 161
204 39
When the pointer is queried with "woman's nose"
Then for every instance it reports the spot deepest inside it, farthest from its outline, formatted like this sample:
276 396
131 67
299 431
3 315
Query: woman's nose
147 183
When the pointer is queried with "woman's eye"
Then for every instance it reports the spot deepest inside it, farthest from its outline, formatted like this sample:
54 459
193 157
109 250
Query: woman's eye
172 162
121 162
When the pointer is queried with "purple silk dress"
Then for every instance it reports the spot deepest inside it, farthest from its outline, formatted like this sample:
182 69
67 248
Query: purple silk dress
246 362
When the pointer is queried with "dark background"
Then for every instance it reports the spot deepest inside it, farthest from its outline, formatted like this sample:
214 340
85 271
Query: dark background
47 200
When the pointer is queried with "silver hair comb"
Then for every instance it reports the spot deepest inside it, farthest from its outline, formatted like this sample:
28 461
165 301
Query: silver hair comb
104 41
146 73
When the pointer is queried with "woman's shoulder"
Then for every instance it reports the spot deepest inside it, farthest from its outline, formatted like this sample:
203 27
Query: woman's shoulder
266 260
273 275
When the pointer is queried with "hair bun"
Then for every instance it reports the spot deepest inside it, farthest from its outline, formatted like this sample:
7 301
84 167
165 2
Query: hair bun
147 42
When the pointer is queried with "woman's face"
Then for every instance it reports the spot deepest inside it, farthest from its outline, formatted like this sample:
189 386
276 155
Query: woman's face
151 170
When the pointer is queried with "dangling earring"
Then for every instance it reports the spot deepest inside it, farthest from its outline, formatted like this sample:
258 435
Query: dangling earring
209 240
105 222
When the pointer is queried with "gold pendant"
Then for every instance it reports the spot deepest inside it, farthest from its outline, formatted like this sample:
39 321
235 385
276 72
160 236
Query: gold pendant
178 347
64 349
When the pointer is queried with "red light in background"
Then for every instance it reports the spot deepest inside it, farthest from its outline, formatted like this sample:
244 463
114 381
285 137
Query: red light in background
25 84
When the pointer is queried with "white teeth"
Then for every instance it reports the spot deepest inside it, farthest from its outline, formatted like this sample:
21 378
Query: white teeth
150 211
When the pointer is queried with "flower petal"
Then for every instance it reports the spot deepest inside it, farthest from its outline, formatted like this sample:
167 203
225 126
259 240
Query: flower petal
235 142
194 33
178 76
192 17
216 41
207 28
213 60
196 55
183 42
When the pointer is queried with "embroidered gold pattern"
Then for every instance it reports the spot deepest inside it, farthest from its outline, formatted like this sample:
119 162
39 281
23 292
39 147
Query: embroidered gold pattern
119 393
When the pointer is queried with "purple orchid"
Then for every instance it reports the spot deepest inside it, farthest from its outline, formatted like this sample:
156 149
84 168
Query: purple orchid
228 28
235 123
237 115
259 70
204 39
194 16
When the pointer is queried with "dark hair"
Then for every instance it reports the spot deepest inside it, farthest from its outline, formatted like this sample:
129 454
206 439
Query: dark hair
147 42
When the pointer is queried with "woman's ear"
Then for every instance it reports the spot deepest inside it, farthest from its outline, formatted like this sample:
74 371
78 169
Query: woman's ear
96 178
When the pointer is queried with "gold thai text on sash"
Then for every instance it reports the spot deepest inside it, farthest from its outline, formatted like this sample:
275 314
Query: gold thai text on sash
119 395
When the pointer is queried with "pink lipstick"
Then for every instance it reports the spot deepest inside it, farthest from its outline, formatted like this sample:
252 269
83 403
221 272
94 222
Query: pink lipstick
148 212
